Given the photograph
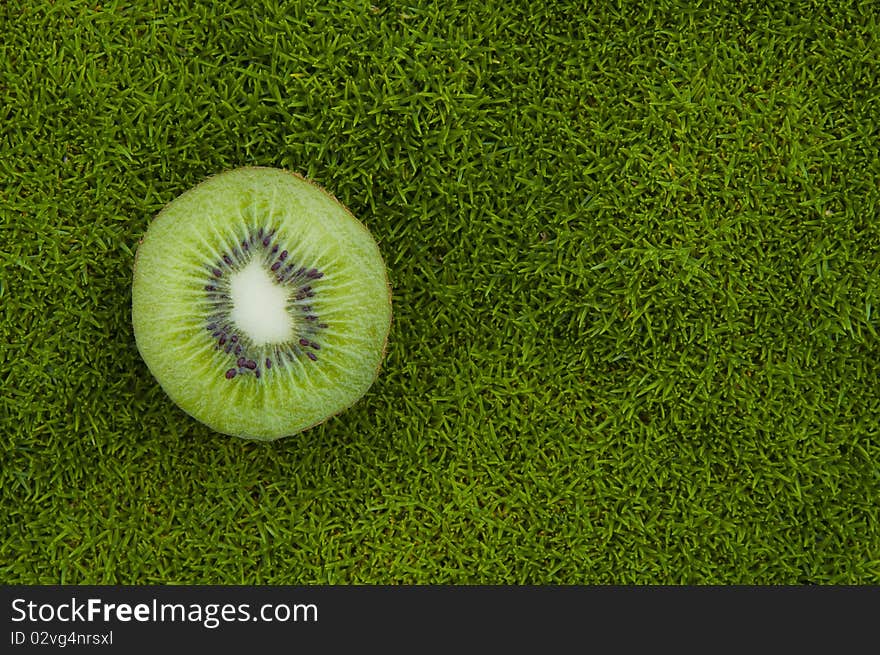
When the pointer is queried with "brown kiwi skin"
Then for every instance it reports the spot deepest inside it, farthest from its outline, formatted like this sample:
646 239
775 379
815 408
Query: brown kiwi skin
358 221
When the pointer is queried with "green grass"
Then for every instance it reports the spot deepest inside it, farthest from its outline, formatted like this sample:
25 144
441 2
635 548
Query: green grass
635 254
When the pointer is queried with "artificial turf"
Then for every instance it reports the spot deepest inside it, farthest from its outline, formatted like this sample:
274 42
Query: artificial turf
635 255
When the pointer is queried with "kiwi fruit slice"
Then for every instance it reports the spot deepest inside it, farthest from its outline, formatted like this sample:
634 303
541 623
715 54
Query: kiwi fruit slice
260 303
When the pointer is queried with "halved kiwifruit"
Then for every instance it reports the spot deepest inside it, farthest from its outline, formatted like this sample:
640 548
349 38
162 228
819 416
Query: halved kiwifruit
260 304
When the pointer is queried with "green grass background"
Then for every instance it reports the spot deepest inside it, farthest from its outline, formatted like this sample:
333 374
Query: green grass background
635 255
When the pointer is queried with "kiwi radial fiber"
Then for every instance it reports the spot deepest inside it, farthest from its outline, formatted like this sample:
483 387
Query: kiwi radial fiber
260 304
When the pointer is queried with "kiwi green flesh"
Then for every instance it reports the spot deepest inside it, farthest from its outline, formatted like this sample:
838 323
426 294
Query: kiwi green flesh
334 279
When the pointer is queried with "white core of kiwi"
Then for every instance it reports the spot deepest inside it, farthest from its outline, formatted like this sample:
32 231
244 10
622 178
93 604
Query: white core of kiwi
259 306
